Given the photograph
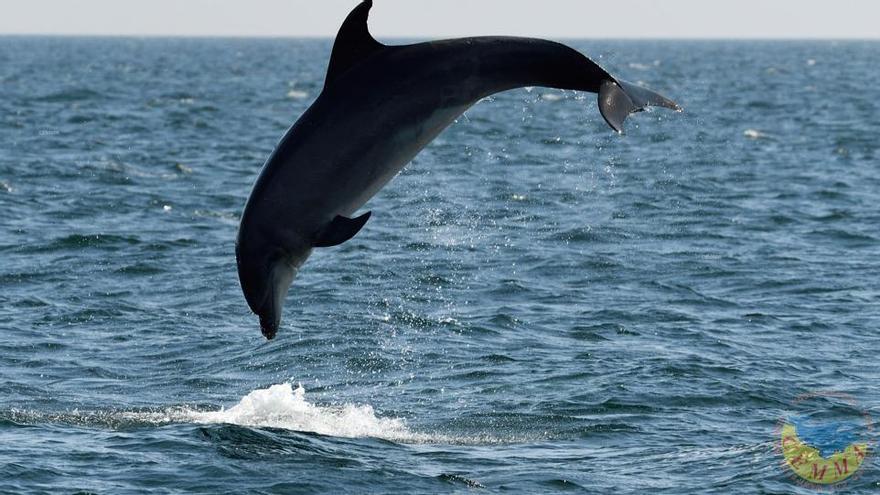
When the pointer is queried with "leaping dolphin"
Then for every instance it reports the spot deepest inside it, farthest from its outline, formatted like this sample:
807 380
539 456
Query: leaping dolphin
379 107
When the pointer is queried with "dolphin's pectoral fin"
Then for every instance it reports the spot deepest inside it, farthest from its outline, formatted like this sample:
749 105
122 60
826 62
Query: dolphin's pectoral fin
618 99
341 229
353 43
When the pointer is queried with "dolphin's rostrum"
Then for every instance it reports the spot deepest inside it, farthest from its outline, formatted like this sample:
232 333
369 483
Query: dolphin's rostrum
379 107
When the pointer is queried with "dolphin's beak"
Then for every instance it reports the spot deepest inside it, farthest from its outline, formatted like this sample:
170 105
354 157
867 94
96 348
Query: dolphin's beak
280 277
269 323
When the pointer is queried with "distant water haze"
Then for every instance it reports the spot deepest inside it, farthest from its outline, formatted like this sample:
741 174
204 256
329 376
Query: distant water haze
851 19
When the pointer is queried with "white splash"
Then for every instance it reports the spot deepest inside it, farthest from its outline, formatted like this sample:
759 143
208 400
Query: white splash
754 134
295 94
280 406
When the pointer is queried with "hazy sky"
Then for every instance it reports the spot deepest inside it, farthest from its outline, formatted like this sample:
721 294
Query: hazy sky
433 18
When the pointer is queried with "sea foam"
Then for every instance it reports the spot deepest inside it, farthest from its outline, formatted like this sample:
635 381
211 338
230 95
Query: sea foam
282 406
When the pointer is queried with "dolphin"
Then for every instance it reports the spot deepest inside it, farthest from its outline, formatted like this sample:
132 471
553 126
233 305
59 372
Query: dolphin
380 105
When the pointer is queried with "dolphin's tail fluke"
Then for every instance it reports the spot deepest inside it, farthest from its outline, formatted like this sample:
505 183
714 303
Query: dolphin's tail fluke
618 99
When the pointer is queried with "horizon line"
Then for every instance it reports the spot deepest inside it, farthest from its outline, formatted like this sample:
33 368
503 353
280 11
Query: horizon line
432 37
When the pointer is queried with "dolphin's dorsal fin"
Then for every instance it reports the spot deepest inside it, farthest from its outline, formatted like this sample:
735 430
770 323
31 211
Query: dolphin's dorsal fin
353 43
340 230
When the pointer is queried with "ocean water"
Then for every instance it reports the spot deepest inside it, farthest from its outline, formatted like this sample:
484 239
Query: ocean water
537 305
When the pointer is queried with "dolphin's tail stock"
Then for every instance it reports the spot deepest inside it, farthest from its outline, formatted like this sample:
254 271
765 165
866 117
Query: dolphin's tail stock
618 99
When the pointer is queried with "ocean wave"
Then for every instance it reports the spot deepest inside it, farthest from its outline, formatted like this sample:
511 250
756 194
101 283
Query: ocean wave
69 95
279 406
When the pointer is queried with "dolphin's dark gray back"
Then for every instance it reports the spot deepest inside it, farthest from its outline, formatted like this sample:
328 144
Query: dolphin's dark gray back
495 63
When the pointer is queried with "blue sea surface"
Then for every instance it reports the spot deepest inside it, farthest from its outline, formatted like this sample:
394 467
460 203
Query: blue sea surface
537 305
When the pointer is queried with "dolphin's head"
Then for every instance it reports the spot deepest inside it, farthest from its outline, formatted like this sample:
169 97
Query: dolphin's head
266 272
